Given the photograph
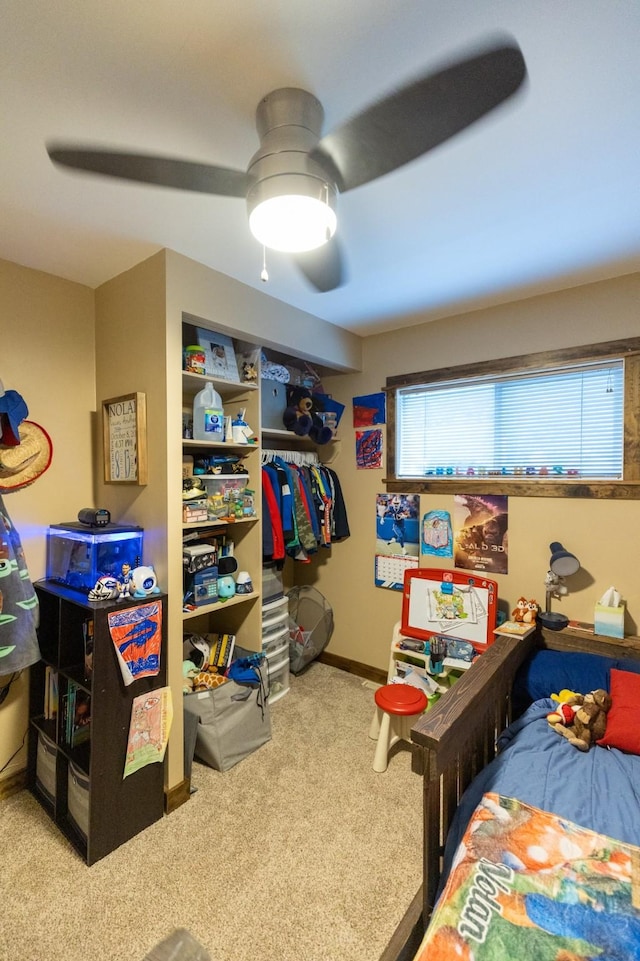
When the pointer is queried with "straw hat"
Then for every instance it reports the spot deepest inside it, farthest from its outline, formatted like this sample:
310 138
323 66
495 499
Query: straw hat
23 464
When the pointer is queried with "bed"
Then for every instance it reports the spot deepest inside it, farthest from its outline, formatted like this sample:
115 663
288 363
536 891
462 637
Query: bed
476 750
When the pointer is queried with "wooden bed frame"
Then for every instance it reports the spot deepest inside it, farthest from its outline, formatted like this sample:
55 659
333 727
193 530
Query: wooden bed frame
456 738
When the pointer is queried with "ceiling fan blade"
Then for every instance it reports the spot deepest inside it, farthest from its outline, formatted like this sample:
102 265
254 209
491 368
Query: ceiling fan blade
162 171
421 116
323 267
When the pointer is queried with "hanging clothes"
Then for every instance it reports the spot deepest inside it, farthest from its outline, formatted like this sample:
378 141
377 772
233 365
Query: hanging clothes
272 533
309 500
18 602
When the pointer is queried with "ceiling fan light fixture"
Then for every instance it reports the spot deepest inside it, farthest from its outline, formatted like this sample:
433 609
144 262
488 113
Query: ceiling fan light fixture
292 212
293 223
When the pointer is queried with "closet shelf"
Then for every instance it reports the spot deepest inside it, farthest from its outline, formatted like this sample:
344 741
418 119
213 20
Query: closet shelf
219 605
217 524
193 383
220 445
326 453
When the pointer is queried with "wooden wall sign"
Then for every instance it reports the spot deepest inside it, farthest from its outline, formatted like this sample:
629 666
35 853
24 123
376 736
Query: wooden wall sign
124 431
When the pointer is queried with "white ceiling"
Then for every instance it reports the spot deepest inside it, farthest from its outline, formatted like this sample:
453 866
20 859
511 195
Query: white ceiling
541 194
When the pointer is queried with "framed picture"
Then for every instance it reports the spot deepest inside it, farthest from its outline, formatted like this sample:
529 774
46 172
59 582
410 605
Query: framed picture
124 436
219 355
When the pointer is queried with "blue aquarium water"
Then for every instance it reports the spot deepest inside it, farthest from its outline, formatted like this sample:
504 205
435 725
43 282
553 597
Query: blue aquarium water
78 555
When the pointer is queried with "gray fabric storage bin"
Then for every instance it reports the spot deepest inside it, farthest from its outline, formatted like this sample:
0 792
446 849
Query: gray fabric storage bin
232 723
78 798
273 401
46 766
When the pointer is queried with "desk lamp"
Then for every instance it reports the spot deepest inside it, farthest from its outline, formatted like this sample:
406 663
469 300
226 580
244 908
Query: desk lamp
561 565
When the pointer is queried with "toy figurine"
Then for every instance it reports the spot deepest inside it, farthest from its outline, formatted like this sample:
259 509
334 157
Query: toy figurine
142 582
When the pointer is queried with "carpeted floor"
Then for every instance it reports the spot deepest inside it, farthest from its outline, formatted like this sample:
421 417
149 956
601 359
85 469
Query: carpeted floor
299 853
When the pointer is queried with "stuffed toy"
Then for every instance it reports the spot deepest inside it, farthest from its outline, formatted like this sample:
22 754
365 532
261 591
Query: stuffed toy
589 722
517 614
564 695
301 418
568 705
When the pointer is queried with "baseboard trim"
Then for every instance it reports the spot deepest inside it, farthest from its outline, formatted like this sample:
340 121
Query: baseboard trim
354 667
175 797
12 784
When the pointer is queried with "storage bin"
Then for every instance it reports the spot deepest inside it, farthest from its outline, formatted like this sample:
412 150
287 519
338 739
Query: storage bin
275 622
78 798
232 723
273 400
275 607
272 584
46 766
275 642
278 679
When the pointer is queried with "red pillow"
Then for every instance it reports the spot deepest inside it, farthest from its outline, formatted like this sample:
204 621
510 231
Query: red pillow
623 730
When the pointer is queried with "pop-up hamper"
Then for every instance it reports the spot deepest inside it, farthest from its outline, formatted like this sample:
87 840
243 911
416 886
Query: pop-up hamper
310 626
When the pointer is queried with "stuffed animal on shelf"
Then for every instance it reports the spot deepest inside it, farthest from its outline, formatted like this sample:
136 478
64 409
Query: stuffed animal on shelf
531 613
301 418
249 373
517 614
589 722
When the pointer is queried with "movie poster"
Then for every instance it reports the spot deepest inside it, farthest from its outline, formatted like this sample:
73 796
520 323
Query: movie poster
481 533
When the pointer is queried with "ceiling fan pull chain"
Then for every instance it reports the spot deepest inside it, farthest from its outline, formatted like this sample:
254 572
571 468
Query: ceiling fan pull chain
264 275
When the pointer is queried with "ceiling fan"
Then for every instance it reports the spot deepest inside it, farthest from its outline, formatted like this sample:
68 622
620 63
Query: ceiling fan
292 182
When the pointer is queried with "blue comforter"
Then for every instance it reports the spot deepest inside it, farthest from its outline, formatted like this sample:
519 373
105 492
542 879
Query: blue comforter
598 789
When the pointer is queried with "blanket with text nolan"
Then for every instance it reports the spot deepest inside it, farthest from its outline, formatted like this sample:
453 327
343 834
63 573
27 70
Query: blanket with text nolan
530 885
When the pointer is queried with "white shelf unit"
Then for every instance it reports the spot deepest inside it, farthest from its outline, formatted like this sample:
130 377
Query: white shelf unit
239 614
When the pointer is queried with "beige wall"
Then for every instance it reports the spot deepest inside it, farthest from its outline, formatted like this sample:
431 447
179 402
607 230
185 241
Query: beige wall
49 352
47 355
601 533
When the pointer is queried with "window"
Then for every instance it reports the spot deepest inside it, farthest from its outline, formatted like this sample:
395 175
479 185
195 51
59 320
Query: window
560 425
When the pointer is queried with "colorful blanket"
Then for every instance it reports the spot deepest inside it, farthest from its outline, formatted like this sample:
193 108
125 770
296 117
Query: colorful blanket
527 884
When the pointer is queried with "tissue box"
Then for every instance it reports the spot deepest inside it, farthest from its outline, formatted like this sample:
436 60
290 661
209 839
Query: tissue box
609 620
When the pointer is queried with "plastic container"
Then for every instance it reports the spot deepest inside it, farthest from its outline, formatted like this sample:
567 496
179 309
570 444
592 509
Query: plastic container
78 555
208 415
277 645
278 679
275 617
194 360
272 585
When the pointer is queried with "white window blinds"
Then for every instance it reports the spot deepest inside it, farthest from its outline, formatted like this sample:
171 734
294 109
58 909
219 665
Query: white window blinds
564 422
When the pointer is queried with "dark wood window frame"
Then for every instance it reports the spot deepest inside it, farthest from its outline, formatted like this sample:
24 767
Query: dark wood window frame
628 488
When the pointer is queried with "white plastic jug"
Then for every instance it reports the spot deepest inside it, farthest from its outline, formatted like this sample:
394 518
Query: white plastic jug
208 415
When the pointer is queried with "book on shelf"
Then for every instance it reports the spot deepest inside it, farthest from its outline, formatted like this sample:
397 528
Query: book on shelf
515 629
50 693
221 648
585 626
87 634
77 715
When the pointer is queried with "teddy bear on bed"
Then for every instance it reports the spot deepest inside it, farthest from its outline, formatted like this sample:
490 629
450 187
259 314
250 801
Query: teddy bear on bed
301 418
589 720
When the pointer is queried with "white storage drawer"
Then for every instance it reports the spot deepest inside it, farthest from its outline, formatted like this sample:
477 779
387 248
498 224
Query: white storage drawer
276 643
275 610
278 679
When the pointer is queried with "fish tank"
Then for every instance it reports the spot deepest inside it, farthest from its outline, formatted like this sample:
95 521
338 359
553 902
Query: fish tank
77 555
